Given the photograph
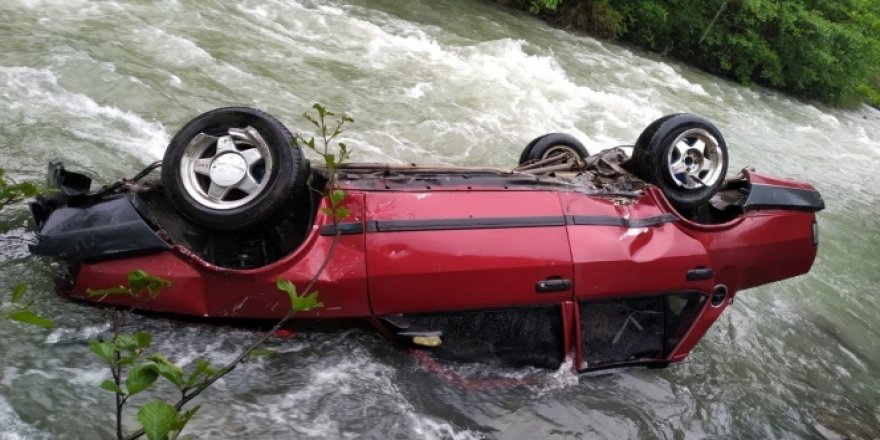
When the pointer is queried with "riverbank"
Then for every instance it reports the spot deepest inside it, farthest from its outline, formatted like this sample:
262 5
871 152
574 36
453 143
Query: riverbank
828 52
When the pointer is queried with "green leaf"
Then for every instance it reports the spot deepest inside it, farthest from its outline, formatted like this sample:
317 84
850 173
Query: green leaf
126 360
183 419
18 292
320 108
104 350
127 343
168 370
330 160
143 339
28 189
141 377
111 386
158 419
154 290
336 196
286 286
258 352
342 212
118 290
137 280
29 317
204 367
203 370
298 303
156 285
306 302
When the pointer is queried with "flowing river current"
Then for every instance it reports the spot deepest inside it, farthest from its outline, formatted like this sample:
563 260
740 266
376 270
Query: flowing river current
105 84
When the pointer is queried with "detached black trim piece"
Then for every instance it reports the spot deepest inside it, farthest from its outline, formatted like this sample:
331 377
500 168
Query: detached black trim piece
780 197
344 229
595 220
70 184
109 228
463 223
72 189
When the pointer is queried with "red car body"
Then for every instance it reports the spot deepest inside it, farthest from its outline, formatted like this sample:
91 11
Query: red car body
523 272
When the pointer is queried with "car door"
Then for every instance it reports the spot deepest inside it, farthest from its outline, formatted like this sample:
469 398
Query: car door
640 281
486 269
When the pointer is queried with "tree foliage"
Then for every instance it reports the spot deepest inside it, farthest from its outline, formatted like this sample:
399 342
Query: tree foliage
819 49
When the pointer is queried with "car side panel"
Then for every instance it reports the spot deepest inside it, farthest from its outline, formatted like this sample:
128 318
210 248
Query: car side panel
766 246
459 250
758 247
202 290
611 260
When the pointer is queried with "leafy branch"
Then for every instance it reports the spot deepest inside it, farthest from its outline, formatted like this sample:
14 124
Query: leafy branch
13 192
19 308
134 369
335 196
138 282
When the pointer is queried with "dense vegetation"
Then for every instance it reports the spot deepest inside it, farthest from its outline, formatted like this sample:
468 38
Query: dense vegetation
819 49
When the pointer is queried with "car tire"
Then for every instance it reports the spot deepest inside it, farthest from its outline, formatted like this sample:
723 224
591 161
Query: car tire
685 156
550 144
233 168
524 156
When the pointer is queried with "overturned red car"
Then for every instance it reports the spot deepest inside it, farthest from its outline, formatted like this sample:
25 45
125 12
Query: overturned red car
606 259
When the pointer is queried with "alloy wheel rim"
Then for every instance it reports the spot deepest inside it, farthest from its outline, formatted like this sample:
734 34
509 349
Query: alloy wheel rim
226 172
695 159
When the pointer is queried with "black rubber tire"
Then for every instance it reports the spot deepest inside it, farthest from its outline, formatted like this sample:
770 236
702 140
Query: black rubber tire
537 147
287 182
524 156
649 158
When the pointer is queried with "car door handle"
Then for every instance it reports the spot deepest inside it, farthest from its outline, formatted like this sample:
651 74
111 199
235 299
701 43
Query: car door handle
553 284
699 273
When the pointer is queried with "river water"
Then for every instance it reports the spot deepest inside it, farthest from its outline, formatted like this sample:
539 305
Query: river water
104 84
